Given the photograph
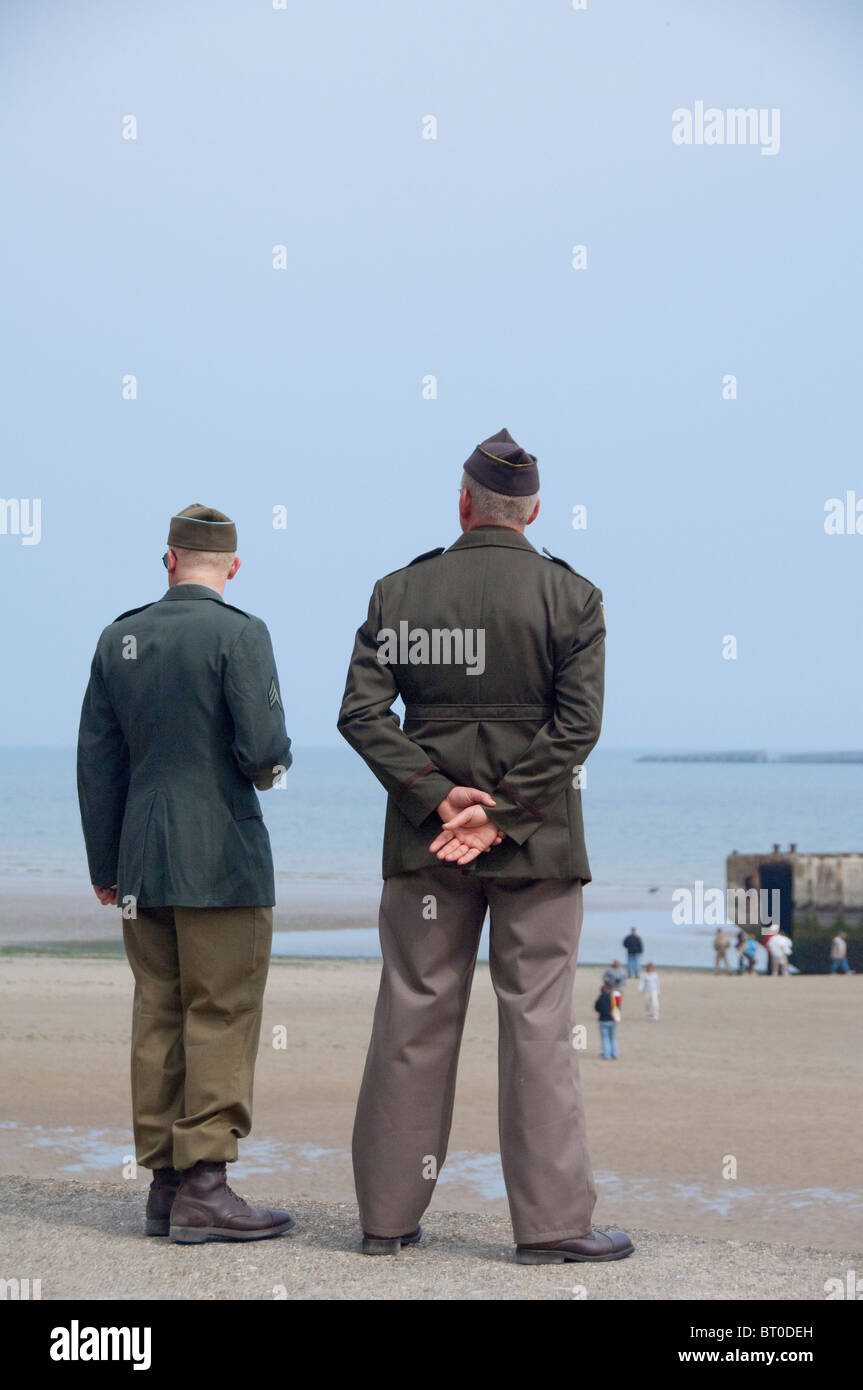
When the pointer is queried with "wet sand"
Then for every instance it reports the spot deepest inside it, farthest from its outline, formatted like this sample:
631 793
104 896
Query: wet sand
756 1074
336 918
39 910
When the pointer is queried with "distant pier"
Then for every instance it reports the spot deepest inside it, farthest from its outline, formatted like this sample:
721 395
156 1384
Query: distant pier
750 756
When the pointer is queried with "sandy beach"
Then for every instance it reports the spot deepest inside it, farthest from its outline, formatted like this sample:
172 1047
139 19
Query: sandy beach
83 1241
752 1075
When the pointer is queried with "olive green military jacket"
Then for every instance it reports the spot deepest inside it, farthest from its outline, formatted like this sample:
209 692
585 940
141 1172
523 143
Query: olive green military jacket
181 719
498 654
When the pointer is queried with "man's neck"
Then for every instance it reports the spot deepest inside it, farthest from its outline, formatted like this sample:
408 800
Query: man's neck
498 525
203 583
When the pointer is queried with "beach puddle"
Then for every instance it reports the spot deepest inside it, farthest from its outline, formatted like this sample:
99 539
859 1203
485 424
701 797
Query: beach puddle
95 1151
106 1151
728 1199
468 1181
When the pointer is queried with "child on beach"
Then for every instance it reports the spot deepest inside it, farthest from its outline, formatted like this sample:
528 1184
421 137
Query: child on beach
607 1023
746 957
649 986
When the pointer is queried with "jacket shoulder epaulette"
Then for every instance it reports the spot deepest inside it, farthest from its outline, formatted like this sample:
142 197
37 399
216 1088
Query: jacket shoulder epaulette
583 577
130 611
557 560
426 555
235 609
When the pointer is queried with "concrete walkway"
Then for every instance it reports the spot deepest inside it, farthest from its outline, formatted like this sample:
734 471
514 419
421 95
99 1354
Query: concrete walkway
85 1242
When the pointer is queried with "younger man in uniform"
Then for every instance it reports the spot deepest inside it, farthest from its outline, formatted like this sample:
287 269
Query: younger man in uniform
182 719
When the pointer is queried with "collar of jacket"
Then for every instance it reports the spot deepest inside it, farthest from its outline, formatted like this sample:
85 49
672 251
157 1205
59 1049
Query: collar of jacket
184 591
493 535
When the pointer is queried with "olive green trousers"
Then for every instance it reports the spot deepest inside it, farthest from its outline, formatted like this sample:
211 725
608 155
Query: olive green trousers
430 924
199 975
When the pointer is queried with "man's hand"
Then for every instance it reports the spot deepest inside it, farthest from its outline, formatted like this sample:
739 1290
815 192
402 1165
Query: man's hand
467 830
465 804
107 896
468 835
460 798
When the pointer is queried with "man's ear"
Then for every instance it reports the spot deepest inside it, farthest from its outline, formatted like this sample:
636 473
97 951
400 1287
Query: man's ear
235 565
465 505
534 514
172 562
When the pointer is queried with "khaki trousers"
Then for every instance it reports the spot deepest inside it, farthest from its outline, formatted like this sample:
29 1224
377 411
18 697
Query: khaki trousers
430 924
199 974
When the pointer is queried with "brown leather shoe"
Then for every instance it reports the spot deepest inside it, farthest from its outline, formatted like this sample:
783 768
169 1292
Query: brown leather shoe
389 1245
594 1248
205 1208
160 1199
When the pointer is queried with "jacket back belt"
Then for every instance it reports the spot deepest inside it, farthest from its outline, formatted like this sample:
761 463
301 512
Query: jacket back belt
478 712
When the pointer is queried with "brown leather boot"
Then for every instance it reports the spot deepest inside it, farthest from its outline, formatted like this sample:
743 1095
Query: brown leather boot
160 1199
593 1248
205 1208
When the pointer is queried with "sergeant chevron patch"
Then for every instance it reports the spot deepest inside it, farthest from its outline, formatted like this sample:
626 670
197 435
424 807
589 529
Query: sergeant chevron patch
273 695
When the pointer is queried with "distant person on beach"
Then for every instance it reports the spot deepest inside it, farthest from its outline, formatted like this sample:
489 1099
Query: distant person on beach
605 1008
634 948
746 953
615 975
483 814
721 944
779 949
182 719
768 931
649 987
839 955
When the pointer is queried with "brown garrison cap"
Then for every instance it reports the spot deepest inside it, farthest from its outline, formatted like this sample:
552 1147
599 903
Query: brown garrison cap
501 465
203 528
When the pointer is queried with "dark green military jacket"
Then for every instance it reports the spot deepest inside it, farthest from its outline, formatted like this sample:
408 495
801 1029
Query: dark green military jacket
498 654
181 719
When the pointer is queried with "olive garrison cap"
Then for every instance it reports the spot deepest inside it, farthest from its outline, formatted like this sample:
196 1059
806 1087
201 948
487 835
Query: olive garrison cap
202 528
501 465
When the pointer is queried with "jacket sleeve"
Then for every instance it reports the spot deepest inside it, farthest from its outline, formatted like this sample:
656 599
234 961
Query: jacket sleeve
367 721
544 771
261 745
103 779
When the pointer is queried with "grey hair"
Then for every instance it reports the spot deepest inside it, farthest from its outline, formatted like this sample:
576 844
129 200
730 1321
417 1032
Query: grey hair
218 560
497 509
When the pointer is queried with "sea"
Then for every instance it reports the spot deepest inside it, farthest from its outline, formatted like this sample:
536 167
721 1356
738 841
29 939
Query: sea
652 829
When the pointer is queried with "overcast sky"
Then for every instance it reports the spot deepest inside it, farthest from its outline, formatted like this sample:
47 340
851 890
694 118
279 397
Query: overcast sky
448 257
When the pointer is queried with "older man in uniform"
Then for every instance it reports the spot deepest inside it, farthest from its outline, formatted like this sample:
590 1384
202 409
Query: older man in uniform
498 654
182 719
